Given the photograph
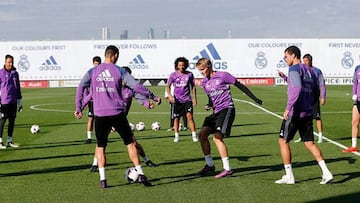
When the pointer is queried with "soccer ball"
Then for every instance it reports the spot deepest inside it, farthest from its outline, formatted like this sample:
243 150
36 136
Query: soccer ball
131 175
35 129
132 127
155 126
140 126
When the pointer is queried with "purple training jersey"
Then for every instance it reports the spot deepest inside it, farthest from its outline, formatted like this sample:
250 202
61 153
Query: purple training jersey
183 83
356 82
218 90
105 82
10 86
302 83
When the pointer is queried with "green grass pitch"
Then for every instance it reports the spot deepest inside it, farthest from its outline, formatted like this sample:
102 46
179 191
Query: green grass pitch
53 166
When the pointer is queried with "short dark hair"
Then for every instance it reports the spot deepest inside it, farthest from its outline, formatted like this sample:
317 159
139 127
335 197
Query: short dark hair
309 57
96 59
181 59
111 50
9 56
294 50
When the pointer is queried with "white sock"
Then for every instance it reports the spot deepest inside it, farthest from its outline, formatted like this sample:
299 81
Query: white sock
226 163
139 169
288 170
94 162
354 142
176 134
323 167
193 134
9 139
102 173
320 135
1 139
89 134
209 160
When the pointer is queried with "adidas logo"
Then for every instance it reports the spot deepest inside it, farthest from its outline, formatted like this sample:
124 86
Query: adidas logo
211 53
204 54
138 63
50 64
105 76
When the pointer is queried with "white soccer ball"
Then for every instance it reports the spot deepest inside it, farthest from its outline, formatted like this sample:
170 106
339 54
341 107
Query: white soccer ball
155 126
140 126
131 175
35 129
132 127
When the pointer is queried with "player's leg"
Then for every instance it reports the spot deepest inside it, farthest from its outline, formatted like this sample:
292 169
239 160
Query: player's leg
102 129
190 118
90 123
306 132
354 129
121 124
142 154
287 132
12 108
2 124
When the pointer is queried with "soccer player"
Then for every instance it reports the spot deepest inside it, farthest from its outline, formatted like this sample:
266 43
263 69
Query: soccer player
172 112
90 124
106 82
216 85
307 59
10 99
355 111
183 82
298 115
128 94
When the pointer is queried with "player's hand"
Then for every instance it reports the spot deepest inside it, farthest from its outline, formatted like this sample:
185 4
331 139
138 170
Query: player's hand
19 104
281 74
286 114
158 101
207 107
354 97
78 115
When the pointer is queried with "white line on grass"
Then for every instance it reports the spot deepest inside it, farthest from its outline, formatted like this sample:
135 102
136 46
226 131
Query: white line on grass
280 117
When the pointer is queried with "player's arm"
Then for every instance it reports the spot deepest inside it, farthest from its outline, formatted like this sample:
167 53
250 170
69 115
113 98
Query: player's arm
294 89
247 92
144 101
209 105
194 98
139 88
19 95
282 75
79 104
322 87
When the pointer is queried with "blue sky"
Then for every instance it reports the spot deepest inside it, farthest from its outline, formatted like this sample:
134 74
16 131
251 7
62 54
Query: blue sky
24 20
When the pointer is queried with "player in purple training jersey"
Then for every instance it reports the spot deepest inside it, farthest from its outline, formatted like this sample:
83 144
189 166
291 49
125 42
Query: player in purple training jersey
106 82
302 88
10 99
216 85
355 111
128 95
183 82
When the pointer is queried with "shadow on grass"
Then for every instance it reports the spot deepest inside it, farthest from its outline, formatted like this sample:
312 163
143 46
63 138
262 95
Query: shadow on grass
352 197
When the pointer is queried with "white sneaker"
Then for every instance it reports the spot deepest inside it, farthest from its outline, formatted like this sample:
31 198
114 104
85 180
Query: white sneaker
10 144
285 180
326 179
2 146
176 139
320 140
195 139
298 140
